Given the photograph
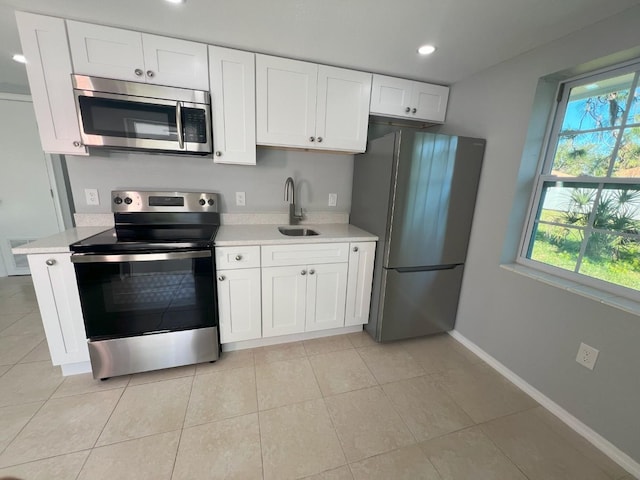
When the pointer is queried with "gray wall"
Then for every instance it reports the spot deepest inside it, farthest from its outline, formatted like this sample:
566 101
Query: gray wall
534 328
315 174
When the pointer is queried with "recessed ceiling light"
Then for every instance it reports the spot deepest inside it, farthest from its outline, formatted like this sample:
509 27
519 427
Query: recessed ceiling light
175 1
426 49
18 57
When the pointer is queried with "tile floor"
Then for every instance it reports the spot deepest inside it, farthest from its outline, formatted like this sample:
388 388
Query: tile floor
334 408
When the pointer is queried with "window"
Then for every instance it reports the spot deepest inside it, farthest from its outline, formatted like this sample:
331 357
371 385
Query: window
585 218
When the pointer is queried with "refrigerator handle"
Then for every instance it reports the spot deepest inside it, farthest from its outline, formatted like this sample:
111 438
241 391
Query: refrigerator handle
427 268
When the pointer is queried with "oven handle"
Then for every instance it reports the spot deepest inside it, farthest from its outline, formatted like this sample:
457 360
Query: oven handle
139 257
179 124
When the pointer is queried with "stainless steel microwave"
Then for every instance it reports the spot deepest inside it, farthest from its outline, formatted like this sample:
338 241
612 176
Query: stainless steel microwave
130 115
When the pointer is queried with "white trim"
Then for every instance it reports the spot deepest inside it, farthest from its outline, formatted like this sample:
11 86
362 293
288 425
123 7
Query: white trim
597 440
53 186
75 368
16 97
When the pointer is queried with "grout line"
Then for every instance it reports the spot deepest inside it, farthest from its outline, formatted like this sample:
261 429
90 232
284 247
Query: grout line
255 382
109 418
184 417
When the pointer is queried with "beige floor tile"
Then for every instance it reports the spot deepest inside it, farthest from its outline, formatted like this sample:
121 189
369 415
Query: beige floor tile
62 425
14 305
6 320
285 382
15 347
29 382
483 393
13 418
277 353
39 354
437 353
408 463
228 449
470 454
4 369
426 409
342 473
361 339
465 352
30 324
390 362
580 443
327 344
340 372
163 374
221 395
367 424
538 451
85 383
228 361
148 409
149 458
298 440
63 467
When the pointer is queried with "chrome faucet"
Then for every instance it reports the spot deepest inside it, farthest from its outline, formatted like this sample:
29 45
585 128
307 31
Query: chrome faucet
290 196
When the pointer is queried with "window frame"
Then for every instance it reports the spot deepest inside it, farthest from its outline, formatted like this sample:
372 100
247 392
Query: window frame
543 175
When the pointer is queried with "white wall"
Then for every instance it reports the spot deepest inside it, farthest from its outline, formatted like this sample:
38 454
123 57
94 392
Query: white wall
315 174
533 328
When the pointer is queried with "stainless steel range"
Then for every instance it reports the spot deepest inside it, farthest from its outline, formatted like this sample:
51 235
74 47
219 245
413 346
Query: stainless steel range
147 286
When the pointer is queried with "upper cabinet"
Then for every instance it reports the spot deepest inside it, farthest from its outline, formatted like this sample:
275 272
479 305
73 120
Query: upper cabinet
139 57
233 98
401 98
44 44
305 105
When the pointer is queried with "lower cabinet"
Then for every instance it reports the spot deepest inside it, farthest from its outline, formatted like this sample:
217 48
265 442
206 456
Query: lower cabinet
360 280
54 281
239 304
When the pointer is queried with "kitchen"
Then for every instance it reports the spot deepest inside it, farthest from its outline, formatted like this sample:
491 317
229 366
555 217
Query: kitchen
152 171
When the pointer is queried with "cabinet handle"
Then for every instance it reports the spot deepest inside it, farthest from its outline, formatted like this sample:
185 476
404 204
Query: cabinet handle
312 139
355 249
319 139
218 153
311 272
303 272
238 257
150 73
221 278
138 72
50 262
407 109
77 144
414 110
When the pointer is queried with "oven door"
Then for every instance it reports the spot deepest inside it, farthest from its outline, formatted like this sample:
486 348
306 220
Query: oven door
126 121
124 295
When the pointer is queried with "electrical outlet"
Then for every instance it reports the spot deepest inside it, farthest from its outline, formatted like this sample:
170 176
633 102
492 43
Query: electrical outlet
587 356
240 199
91 196
333 199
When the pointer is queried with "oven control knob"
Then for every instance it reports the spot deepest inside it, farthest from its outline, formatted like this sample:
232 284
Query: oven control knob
202 201
210 202
128 201
117 200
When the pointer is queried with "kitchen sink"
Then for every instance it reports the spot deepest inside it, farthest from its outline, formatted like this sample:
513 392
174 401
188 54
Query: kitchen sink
297 231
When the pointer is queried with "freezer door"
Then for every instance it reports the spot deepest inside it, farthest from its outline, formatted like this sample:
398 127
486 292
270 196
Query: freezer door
433 200
417 303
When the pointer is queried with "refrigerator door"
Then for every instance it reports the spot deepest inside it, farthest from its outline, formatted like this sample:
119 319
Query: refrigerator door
433 199
416 303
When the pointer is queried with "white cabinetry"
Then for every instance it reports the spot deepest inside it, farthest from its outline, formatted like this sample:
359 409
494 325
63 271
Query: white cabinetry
361 257
301 104
239 305
139 57
54 281
44 44
401 98
232 74
284 295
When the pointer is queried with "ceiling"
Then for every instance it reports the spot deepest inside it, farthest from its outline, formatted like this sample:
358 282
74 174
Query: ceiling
373 35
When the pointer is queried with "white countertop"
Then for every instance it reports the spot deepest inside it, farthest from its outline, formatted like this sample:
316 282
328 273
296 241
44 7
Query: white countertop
58 243
230 235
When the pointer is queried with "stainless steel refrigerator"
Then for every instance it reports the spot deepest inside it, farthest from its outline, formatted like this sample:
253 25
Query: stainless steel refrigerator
417 192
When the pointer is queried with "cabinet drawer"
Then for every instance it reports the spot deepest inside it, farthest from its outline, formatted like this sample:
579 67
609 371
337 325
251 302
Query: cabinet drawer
277 255
237 257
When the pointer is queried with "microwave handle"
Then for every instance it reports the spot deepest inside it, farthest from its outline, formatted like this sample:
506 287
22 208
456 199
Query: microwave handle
179 124
139 257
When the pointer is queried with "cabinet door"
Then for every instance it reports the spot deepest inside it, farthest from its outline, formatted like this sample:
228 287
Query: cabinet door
106 52
359 283
326 293
234 105
391 96
342 109
44 44
430 102
175 62
239 304
285 102
59 304
283 300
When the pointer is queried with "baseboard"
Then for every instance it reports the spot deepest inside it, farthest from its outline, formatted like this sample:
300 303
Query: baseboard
597 440
294 337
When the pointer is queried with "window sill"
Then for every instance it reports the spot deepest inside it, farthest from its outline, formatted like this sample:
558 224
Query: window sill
622 303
